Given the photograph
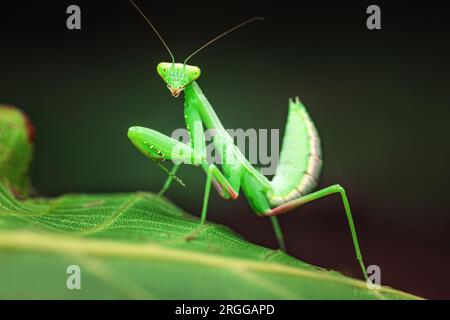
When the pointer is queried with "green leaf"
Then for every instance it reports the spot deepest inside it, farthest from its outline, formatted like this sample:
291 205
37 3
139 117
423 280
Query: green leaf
16 149
140 245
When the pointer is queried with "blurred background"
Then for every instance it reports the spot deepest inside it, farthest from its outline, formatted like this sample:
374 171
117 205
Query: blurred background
380 100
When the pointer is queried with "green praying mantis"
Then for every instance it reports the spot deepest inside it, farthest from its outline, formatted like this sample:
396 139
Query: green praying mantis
299 164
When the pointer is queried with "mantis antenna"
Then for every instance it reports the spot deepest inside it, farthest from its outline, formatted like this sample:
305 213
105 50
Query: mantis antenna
154 29
223 34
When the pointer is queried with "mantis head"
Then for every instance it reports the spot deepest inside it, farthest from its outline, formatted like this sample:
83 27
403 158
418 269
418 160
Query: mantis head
177 75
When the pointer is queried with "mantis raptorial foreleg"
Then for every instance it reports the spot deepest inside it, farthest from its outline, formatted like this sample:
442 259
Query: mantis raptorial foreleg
194 125
197 141
169 179
160 147
320 194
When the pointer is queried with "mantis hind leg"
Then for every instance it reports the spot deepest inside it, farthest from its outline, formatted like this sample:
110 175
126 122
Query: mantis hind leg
319 194
278 233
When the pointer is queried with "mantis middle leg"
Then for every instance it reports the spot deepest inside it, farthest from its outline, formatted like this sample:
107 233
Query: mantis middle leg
213 172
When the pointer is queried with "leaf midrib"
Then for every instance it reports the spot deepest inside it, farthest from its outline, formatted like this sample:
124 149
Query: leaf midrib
58 244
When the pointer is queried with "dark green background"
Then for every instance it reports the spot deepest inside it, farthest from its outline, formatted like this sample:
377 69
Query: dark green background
380 100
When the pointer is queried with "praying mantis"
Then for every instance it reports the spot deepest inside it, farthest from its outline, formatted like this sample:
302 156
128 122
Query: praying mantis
298 168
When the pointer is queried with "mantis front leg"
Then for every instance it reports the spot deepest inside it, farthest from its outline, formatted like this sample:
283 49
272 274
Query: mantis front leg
196 132
197 141
169 179
160 147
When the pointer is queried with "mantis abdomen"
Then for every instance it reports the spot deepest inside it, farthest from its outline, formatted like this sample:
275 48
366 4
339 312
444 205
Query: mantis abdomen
300 160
